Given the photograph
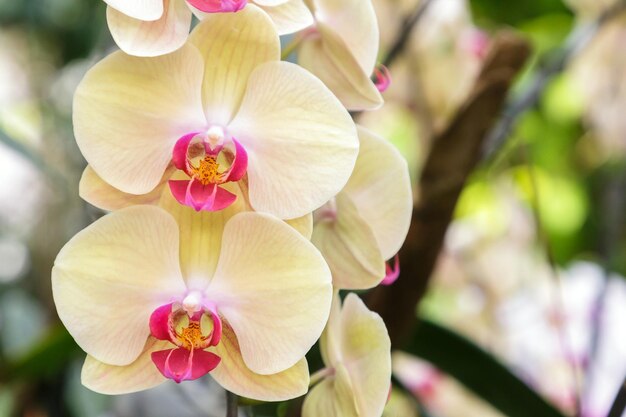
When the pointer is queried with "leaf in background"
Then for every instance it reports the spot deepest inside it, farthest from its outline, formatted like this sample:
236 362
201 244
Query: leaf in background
49 356
478 371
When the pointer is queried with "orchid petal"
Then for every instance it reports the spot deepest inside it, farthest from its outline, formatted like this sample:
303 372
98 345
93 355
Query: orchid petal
330 59
303 225
160 322
232 46
350 248
151 38
380 187
289 16
138 9
137 376
300 140
180 364
261 260
333 397
200 236
111 276
100 194
129 112
365 348
233 374
270 3
354 21
330 341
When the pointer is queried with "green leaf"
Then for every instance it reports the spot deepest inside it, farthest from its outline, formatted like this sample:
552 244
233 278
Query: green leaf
49 356
478 371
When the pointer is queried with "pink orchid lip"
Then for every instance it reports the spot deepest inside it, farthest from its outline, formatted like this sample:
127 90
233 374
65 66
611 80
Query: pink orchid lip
392 274
202 191
218 6
382 78
188 360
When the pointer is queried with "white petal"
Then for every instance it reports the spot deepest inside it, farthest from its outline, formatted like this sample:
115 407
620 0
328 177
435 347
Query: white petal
289 16
354 21
111 276
200 236
140 375
151 38
300 140
365 347
274 289
333 397
98 193
350 248
233 374
330 59
129 112
380 188
304 225
232 45
138 9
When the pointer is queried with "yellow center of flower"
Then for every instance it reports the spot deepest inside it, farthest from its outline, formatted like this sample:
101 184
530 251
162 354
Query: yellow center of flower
191 337
207 172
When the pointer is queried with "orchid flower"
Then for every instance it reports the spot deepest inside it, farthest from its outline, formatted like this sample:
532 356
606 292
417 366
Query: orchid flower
221 109
342 49
355 348
153 295
367 222
157 27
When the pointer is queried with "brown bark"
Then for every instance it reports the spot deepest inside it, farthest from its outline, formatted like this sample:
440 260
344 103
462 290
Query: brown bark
455 153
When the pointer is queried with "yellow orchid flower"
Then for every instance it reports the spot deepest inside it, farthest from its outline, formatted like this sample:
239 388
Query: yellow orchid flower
367 222
355 347
221 109
342 49
157 27
153 295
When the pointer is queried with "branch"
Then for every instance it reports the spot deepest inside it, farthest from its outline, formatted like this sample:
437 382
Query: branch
454 155
554 64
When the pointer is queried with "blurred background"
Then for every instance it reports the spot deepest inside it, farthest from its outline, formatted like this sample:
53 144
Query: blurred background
531 274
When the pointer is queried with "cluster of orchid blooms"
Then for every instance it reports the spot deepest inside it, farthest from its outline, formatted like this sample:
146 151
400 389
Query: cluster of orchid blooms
242 198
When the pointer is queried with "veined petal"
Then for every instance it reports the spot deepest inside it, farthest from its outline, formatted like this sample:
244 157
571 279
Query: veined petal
114 380
271 3
151 38
232 45
333 397
98 193
200 236
354 21
289 16
300 140
304 225
380 188
129 112
233 374
110 277
366 347
329 58
138 9
349 246
330 341
263 259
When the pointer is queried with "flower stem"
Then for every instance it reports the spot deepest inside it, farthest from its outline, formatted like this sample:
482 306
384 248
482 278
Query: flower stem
231 404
